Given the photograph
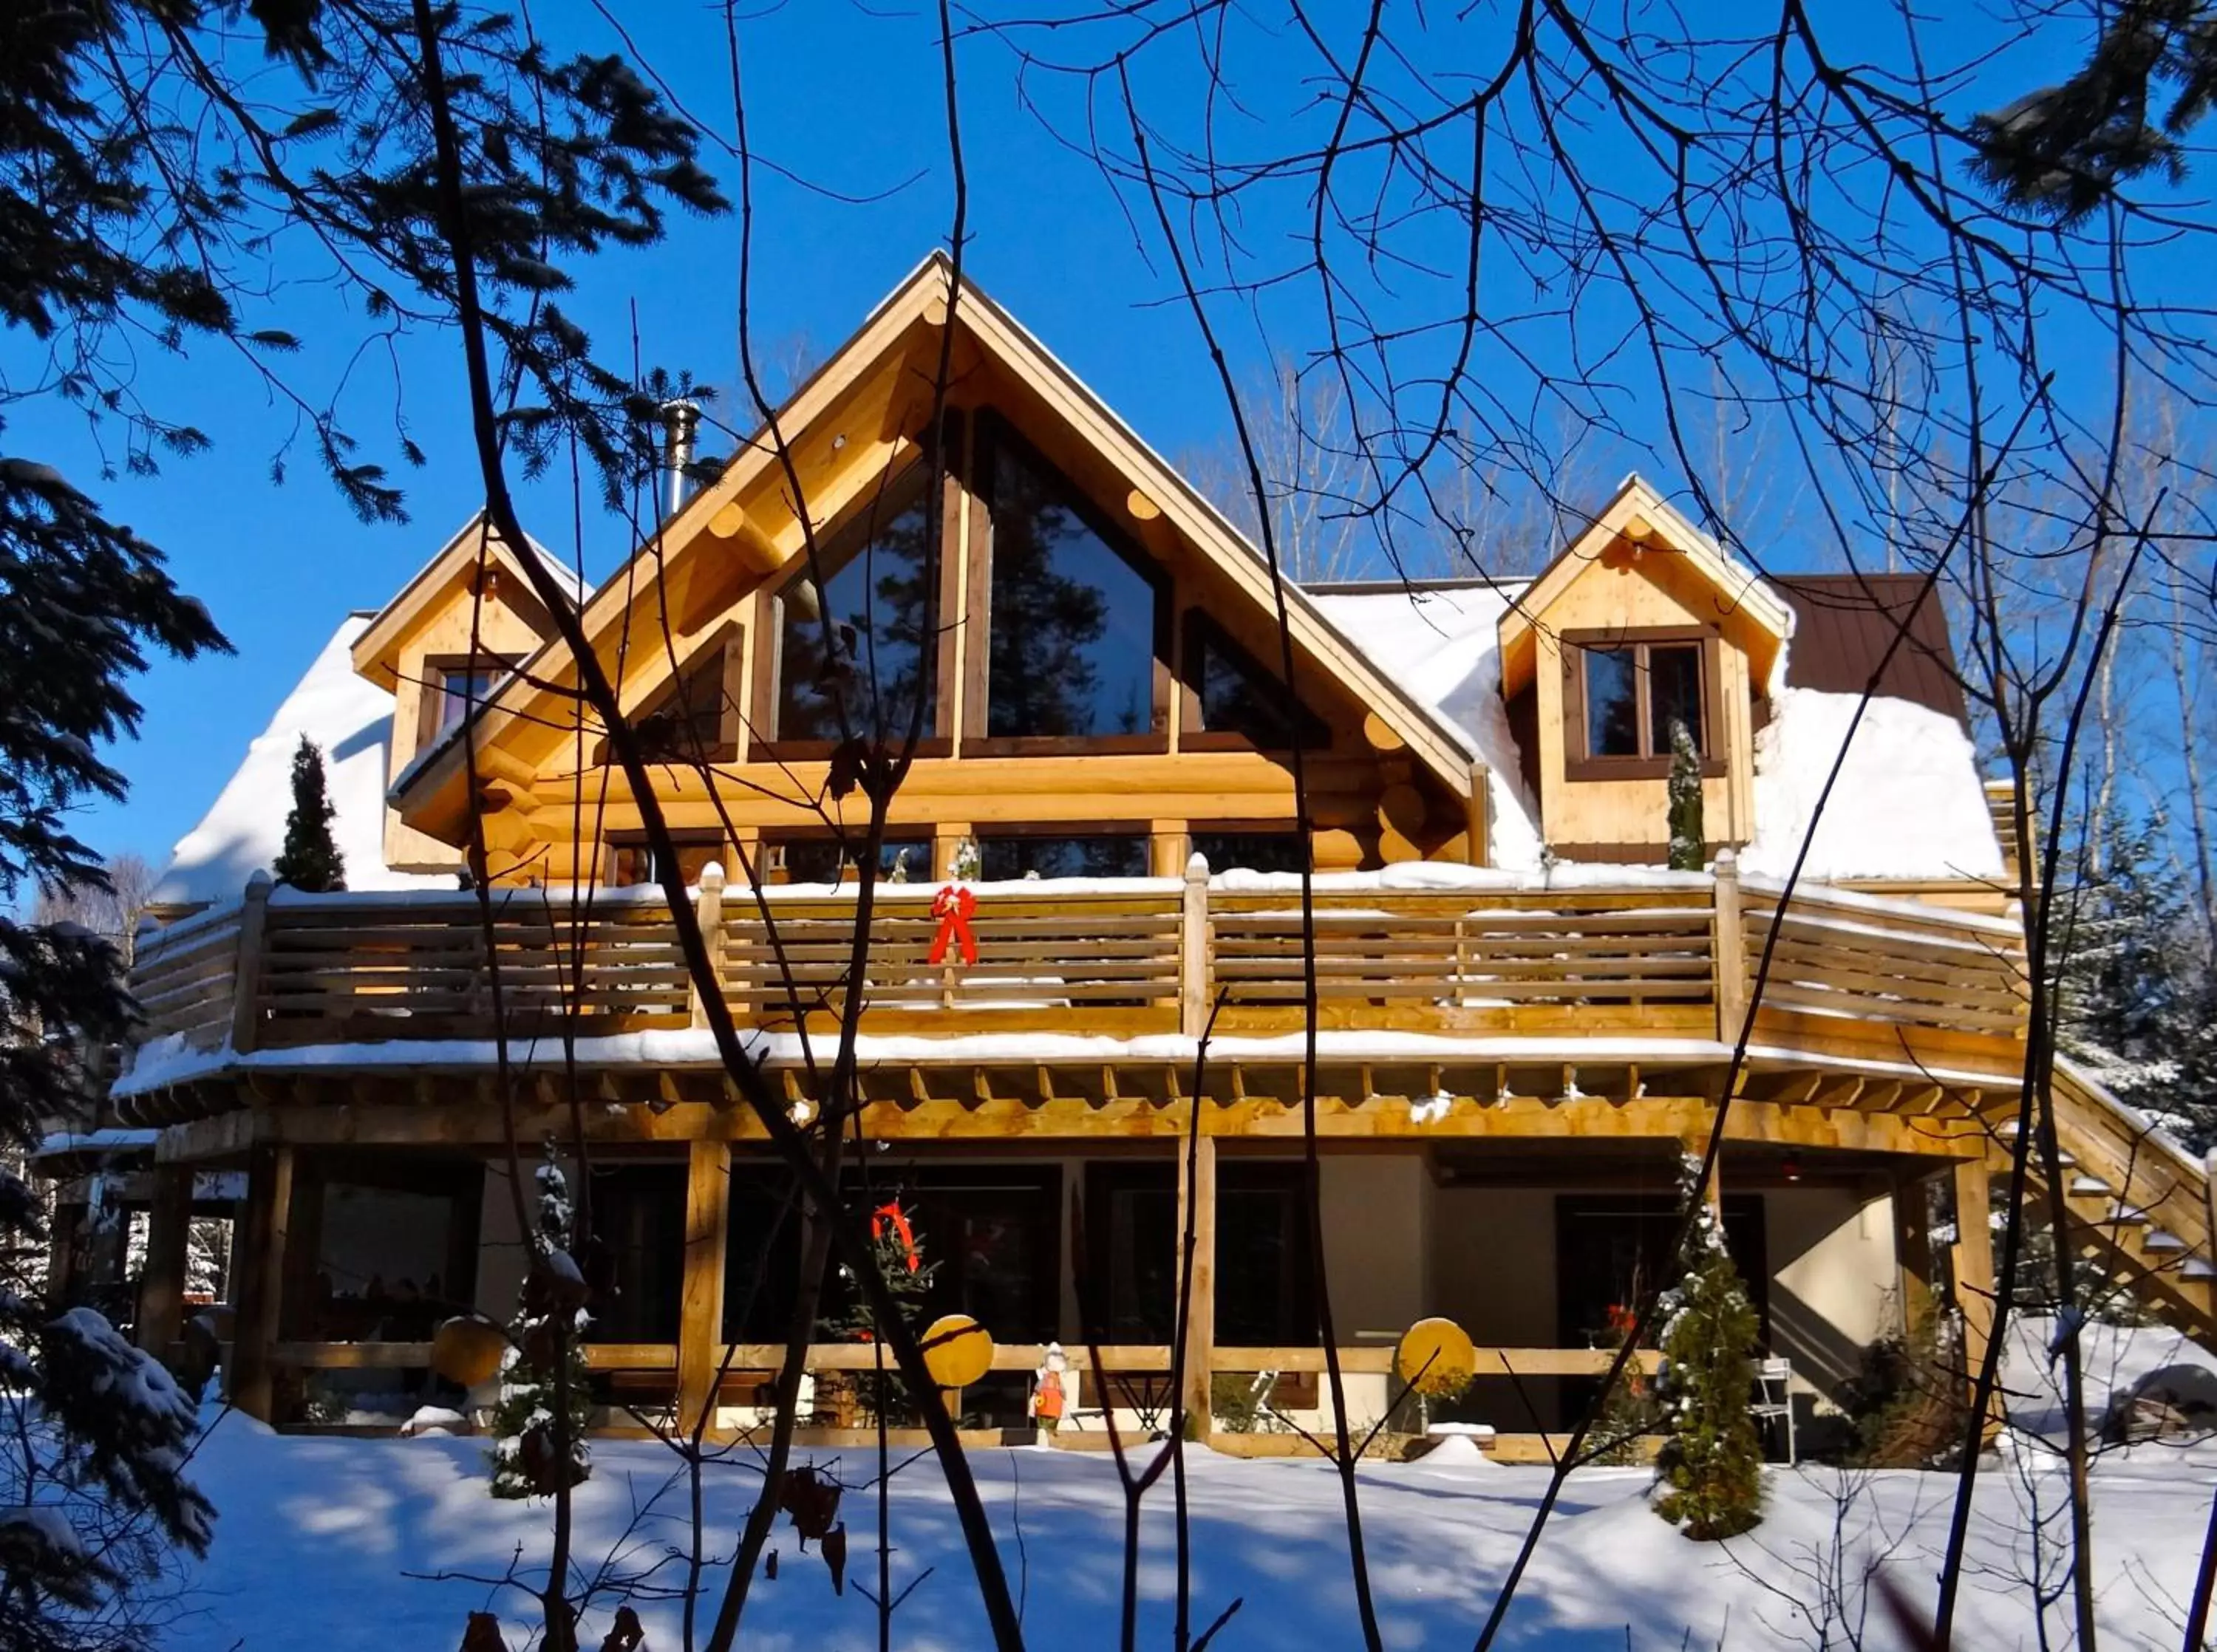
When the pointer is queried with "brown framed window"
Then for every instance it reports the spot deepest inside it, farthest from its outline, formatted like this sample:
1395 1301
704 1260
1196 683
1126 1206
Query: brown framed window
1623 692
1232 703
1076 637
1005 858
1254 849
820 858
631 861
452 685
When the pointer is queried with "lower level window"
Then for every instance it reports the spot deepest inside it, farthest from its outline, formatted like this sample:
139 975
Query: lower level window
832 859
1093 855
1255 851
631 861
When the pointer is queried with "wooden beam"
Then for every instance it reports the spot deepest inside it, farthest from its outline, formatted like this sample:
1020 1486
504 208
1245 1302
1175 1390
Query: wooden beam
1974 1263
1197 1208
1270 1117
700 1310
1912 1249
260 1262
161 1287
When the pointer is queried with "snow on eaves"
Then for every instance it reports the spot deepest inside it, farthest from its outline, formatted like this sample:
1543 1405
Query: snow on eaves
1908 804
1441 646
351 719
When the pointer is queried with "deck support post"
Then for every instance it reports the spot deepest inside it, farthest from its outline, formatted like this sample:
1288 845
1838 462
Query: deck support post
708 912
1476 821
1197 1208
162 1287
701 1309
1974 1264
1912 1249
1728 950
261 1270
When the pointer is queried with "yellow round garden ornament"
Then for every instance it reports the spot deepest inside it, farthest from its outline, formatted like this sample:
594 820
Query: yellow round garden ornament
1436 1358
467 1351
957 1351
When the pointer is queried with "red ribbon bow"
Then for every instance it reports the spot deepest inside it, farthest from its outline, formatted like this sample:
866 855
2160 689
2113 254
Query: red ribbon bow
954 906
902 1231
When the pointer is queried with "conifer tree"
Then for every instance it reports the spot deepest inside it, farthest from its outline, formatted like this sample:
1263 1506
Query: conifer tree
525 1455
1710 1471
897 1250
310 860
1689 847
2135 999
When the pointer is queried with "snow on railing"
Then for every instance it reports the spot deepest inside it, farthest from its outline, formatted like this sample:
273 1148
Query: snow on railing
1132 956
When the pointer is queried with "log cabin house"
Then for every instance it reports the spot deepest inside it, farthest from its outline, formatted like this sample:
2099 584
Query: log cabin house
1525 1020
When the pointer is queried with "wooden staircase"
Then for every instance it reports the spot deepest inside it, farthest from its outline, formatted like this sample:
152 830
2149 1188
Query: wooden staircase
2139 1202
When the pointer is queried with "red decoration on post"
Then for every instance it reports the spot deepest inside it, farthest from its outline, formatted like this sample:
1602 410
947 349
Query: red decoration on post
954 906
902 1231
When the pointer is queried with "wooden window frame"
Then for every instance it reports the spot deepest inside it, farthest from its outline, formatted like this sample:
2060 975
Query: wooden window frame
432 692
683 838
1578 763
837 538
729 640
1201 626
1141 830
990 430
774 842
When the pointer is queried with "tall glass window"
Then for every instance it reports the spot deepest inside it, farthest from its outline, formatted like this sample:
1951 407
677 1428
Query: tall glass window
881 612
1071 653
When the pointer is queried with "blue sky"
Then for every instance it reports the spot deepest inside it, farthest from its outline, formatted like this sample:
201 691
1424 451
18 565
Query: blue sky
846 97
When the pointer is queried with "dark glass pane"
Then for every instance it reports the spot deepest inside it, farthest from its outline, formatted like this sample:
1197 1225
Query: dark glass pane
1237 696
881 613
1257 851
827 860
1131 1254
762 1259
996 1249
1612 703
639 1215
1263 1261
634 863
460 690
1073 634
689 723
1674 694
1006 858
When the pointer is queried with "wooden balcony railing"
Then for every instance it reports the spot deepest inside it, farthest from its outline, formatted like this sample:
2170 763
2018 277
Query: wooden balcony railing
1648 955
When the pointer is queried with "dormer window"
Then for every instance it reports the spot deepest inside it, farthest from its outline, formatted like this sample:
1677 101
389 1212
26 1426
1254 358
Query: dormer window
1625 690
453 686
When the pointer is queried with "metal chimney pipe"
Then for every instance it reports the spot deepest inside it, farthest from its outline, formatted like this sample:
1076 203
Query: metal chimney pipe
681 419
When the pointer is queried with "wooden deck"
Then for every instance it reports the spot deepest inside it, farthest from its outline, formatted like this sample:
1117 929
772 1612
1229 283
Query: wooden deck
1900 985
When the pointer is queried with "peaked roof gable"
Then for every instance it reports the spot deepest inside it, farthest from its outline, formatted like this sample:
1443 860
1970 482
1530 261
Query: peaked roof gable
376 652
1640 519
846 428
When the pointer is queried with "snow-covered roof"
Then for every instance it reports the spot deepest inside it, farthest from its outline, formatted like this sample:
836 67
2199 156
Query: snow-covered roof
351 719
1441 645
1908 804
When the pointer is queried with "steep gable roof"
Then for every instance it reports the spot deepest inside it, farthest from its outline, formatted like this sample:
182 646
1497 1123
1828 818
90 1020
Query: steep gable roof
1638 520
851 423
377 648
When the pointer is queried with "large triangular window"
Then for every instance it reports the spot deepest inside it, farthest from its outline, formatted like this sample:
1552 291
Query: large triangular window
865 643
1079 616
1232 701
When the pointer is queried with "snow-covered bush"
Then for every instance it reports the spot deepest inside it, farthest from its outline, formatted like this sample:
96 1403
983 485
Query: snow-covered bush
527 1449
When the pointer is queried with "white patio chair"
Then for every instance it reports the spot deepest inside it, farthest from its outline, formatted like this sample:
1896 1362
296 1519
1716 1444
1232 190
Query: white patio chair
1774 1382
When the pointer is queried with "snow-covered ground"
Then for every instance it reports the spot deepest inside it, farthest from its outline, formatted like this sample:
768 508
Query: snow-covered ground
335 1544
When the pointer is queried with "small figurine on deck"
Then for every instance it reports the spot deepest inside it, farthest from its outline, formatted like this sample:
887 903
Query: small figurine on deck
1048 1397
